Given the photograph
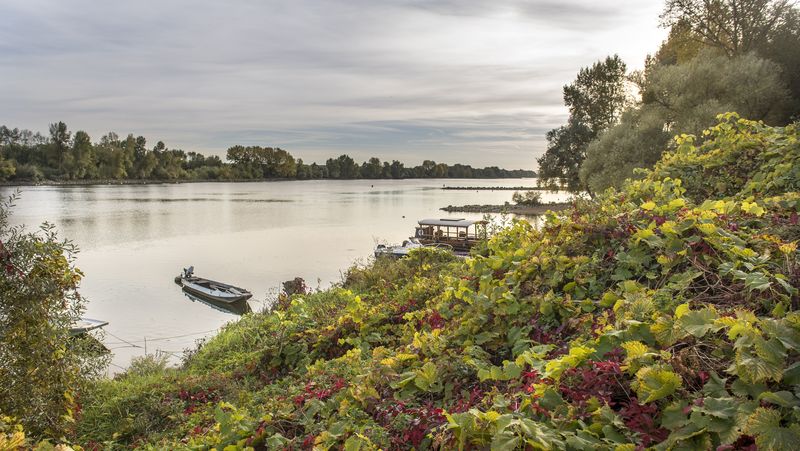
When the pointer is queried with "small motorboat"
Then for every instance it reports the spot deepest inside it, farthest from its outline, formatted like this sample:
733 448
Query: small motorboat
408 245
210 289
84 325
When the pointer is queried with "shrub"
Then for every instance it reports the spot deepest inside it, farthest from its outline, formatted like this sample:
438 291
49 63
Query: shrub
42 368
527 198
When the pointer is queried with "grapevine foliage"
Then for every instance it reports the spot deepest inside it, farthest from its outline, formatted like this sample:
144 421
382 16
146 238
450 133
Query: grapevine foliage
664 315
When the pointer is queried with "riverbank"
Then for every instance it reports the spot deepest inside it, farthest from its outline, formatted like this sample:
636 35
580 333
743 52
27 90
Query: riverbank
525 210
128 182
94 182
499 188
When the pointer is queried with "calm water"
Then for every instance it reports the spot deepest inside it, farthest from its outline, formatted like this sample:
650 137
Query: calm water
135 239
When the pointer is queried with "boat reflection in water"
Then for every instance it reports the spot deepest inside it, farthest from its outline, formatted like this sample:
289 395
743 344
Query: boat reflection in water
236 308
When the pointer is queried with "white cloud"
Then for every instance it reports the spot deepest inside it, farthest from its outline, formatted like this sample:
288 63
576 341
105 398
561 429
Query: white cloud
467 81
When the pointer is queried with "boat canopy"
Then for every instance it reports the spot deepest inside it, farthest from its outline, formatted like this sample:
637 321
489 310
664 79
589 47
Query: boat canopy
448 222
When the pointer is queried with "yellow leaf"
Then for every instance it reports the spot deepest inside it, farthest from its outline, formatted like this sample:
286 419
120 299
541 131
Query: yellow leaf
635 349
681 310
649 205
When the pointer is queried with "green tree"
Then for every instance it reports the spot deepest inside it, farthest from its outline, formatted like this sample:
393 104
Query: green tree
7 169
734 26
111 157
371 169
398 171
783 47
83 158
684 98
595 100
59 145
43 368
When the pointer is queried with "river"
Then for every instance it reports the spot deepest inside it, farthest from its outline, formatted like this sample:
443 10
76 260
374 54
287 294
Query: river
134 239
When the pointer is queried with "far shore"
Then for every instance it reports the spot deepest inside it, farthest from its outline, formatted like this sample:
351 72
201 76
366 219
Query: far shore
163 182
508 208
500 188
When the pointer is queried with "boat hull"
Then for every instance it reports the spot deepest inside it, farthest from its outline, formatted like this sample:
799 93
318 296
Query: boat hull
214 295
236 307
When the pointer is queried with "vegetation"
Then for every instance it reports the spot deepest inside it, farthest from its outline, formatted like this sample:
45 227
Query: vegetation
26 156
595 100
42 368
663 316
527 198
747 84
727 55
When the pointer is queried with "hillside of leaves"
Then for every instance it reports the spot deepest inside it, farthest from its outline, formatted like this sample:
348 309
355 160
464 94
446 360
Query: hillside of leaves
663 316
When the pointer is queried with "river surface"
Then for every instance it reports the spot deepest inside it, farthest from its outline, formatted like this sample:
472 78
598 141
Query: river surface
134 239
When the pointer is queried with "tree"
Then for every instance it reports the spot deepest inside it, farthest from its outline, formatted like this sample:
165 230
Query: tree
59 145
595 100
783 47
684 98
398 171
371 169
42 367
7 169
83 159
344 167
734 26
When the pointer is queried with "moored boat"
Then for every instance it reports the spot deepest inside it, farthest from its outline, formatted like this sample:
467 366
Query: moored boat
457 235
84 325
461 234
402 250
211 289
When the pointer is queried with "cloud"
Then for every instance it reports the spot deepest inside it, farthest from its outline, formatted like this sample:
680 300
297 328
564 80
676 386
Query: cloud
471 81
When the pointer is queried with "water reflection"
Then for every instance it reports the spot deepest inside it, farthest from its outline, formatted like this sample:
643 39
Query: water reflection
237 308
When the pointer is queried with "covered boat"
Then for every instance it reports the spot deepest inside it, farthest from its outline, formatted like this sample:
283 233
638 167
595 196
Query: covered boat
457 235
460 234
210 289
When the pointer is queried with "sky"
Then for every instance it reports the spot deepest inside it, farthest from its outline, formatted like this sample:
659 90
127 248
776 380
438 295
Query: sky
455 81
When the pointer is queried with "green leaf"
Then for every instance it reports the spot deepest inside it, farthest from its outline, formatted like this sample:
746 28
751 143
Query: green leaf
764 424
757 281
505 441
781 398
655 383
426 376
697 322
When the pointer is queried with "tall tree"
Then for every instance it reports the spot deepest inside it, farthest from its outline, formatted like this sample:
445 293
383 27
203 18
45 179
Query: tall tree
59 145
684 98
595 100
83 159
735 26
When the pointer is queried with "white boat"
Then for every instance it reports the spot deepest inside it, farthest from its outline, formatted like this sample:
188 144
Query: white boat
210 289
84 325
408 245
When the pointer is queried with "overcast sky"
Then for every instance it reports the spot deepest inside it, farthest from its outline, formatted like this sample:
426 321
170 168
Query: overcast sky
469 81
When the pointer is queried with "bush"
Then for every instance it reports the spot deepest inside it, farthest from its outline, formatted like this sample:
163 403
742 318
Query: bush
527 198
42 368
28 172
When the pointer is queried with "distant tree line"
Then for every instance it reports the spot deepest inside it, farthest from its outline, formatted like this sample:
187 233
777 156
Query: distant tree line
27 156
720 56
